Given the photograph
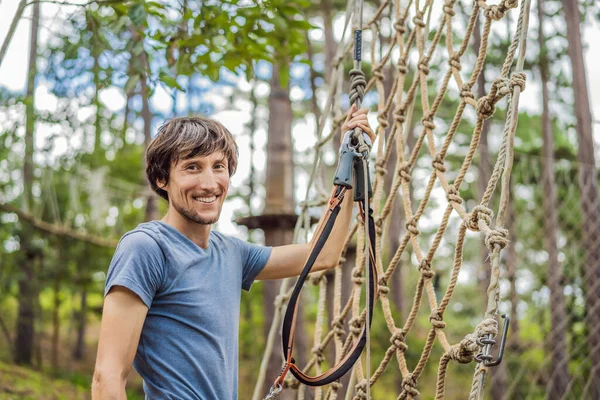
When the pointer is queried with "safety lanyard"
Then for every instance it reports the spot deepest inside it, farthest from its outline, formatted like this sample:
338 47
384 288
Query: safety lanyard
351 173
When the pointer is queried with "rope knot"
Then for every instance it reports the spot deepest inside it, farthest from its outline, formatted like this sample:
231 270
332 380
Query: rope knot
497 237
361 390
378 226
427 122
465 92
454 61
399 116
436 319
401 66
425 269
438 163
488 326
418 19
317 351
357 86
380 170
357 276
404 171
485 108
338 327
452 196
495 12
517 79
479 212
336 385
315 279
383 288
449 8
383 121
411 226
399 26
464 351
423 67
377 72
398 340
280 300
409 386
355 326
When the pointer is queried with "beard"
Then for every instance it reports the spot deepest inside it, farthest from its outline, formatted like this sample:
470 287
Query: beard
193 216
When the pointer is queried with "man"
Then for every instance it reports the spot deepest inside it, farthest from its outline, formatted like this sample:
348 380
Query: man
172 296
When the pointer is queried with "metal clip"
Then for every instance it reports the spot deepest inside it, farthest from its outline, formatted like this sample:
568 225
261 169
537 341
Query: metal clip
488 341
274 392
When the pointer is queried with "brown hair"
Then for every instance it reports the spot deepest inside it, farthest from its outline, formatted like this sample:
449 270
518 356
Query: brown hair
183 138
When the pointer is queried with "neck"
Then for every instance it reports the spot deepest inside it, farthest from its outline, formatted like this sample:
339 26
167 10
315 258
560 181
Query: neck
197 233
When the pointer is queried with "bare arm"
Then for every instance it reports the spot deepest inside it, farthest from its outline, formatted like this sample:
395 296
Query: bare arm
122 321
287 261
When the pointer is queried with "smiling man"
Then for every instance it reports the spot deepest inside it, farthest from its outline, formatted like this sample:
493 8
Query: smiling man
172 295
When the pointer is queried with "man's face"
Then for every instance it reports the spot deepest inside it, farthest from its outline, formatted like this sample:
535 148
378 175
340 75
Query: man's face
197 187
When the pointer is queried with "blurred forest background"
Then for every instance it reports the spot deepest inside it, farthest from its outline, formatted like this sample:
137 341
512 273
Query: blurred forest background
102 75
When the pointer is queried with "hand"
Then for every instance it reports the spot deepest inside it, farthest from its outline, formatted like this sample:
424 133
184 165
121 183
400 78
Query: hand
358 119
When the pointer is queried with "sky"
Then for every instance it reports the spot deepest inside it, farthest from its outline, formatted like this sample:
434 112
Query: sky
14 69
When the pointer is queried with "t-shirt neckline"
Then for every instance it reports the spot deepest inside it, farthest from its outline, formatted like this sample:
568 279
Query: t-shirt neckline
178 232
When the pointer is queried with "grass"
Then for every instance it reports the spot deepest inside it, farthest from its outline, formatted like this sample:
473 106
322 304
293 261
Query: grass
25 384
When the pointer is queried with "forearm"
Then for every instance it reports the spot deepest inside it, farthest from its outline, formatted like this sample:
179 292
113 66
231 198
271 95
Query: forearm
335 243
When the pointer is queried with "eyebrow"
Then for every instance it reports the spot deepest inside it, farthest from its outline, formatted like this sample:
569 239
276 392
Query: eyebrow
192 160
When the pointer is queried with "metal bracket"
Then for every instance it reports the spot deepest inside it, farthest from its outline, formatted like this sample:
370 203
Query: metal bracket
488 342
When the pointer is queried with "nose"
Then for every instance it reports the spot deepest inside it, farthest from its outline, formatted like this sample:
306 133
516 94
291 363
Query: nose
207 181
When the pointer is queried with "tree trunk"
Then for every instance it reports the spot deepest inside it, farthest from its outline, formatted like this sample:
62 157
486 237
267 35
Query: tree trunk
12 29
557 339
330 43
27 292
151 212
588 186
55 323
279 200
81 321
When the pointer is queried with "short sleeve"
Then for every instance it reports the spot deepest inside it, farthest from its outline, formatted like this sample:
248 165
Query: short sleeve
254 259
138 264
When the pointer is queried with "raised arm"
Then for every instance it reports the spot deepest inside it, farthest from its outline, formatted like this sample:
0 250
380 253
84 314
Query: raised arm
287 261
122 321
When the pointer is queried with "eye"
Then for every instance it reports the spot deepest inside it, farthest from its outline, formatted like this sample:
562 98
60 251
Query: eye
191 167
220 166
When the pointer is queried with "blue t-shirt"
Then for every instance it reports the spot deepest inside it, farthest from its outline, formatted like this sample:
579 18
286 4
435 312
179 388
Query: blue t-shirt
188 347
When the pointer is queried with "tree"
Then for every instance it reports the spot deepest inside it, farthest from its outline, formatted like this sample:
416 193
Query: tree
27 282
557 341
588 186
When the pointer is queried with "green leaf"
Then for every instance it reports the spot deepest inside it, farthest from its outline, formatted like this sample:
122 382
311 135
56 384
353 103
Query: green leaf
137 14
170 82
131 83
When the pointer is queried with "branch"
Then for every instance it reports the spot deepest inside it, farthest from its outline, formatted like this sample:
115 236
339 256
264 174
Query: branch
11 30
59 230
68 3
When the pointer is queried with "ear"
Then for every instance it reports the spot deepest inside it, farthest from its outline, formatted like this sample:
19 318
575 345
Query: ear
161 184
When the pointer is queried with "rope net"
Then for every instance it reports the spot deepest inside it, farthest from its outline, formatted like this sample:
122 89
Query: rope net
412 51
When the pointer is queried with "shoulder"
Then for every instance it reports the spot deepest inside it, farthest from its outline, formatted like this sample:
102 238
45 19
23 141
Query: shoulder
143 238
222 239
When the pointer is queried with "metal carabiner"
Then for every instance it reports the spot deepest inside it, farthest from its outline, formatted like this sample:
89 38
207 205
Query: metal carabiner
274 392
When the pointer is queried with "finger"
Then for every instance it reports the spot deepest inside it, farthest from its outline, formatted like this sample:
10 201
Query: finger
350 112
361 112
360 118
